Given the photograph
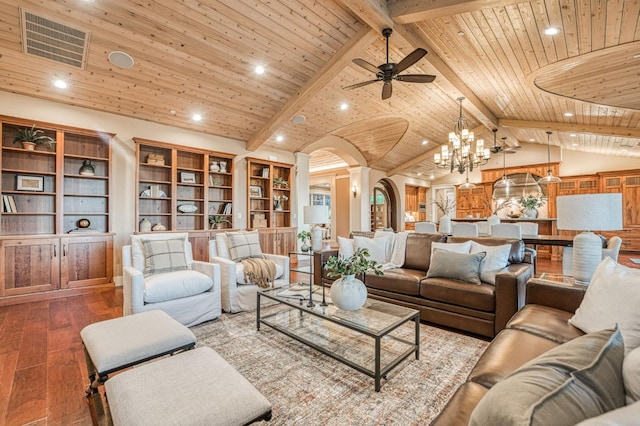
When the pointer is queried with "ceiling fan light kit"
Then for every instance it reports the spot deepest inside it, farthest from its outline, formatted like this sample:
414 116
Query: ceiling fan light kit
390 71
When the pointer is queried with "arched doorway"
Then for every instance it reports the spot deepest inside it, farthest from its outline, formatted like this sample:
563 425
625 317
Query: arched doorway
384 206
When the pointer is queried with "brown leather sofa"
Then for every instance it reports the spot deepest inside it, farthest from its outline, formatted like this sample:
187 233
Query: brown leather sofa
539 326
481 309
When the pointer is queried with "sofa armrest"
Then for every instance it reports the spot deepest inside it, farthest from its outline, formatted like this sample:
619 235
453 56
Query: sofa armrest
509 283
211 270
563 296
283 261
320 257
132 289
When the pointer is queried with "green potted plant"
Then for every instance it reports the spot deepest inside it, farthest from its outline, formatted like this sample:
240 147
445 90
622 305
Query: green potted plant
217 221
279 182
348 292
304 237
530 204
30 137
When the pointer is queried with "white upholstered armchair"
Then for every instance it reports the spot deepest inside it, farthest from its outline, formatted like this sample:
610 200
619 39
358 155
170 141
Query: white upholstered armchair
237 294
159 273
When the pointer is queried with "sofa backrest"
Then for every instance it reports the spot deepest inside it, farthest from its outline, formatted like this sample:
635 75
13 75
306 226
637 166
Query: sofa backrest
517 246
418 251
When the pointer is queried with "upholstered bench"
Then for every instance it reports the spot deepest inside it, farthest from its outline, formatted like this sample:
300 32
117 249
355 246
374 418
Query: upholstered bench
119 343
196 387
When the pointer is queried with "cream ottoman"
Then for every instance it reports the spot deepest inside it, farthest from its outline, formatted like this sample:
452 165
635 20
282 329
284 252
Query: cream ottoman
196 387
119 343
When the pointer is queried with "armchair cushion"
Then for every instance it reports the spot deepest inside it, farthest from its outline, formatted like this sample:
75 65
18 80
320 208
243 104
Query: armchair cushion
241 279
175 285
161 256
243 245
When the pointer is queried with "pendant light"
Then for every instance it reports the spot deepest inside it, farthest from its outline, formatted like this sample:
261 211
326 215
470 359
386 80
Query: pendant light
467 184
505 183
549 178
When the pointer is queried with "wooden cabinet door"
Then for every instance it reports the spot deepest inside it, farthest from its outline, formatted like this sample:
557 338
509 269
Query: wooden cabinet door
267 240
86 261
199 245
631 202
286 241
29 266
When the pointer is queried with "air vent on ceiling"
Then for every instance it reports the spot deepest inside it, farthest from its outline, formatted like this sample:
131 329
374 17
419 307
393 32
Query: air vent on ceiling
53 40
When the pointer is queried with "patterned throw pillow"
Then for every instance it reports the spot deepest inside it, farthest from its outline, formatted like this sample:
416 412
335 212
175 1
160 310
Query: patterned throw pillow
243 245
163 256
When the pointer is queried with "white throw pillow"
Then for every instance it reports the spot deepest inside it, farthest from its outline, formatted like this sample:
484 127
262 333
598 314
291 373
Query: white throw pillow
137 253
377 247
627 415
631 375
346 247
497 258
613 297
454 247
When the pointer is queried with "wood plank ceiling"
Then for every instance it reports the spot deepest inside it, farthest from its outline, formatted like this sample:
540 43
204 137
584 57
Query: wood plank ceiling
199 56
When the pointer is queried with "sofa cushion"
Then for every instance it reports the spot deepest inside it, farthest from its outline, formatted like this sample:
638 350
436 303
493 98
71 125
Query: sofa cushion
244 245
161 256
517 246
398 280
546 322
175 285
479 297
456 266
241 279
497 259
570 383
613 297
461 405
628 415
418 250
631 375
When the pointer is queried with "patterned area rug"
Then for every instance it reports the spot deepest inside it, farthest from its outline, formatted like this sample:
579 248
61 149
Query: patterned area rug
307 387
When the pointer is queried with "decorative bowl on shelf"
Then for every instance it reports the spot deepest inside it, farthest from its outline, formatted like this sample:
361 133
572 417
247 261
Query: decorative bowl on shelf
187 208
514 215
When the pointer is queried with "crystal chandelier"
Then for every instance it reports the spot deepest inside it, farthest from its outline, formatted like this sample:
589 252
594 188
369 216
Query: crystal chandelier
459 154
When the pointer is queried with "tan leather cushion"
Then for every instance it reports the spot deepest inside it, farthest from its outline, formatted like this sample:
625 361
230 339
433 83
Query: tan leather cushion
399 280
550 323
480 297
517 246
418 251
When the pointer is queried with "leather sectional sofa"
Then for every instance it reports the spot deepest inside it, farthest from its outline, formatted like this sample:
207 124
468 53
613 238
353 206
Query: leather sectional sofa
538 327
481 309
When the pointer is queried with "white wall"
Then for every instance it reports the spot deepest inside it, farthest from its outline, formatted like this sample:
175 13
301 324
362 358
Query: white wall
123 149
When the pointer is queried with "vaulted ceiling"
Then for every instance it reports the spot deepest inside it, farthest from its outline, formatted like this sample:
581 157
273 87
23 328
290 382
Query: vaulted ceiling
199 56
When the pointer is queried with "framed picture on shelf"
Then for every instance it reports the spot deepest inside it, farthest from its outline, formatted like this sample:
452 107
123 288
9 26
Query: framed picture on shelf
187 177
30 183
255 191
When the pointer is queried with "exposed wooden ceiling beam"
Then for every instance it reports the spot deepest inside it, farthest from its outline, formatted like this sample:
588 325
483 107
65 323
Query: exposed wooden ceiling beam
361 40
408 11
573 128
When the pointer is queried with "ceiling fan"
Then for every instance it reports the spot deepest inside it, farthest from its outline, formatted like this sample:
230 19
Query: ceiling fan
503 149
389 71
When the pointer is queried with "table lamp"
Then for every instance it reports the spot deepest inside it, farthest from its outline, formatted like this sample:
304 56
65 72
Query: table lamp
588 212
315 216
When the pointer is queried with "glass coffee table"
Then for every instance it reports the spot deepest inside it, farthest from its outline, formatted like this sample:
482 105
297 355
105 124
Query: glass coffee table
373 340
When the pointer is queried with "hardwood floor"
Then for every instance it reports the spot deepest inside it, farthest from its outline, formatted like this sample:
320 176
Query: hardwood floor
42 368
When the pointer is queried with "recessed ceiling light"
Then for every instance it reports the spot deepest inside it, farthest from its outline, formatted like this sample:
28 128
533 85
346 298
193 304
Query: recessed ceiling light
298 119
552 31
568 114
432 176
172 112
196 117
636 56
460 33
532 140
60 84
424 142
259 69
573 135
574 144
624 150
419 174
344 106
279 138
121 59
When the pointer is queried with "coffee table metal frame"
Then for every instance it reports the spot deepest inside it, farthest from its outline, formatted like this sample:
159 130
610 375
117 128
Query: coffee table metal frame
379 370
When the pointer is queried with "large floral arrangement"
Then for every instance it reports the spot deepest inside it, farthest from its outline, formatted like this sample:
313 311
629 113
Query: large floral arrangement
532 201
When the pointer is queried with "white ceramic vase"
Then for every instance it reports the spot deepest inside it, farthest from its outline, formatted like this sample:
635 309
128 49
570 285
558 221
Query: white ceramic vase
444 226
493 220
145 225
214 167
348 293
530 213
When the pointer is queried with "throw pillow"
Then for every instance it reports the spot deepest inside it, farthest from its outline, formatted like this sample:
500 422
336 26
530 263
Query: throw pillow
613 297
163 256
454 247
455 266
631 375
497 259
628 415
243 245
565 385
378 247
346 247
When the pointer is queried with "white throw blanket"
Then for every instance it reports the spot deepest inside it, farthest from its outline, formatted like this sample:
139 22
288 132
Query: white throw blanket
398 251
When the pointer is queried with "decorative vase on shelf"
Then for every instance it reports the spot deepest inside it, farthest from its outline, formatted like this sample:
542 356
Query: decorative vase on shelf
223 167
444 226
214 167
493 219
348 293
530 213
87 168
305 247
145 225
29 146
277 205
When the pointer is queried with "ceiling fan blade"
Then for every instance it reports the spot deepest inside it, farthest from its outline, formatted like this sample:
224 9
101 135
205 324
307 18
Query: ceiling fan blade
410 59
364 83
416 78
366 65
386 90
